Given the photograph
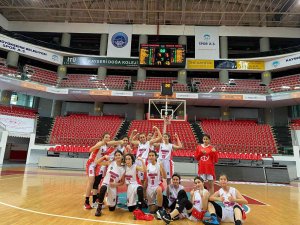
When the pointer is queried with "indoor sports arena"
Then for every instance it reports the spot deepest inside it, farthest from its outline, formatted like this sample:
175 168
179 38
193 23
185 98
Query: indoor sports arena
121 112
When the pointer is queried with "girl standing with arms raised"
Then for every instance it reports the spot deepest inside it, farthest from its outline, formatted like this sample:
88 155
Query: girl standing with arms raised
93 170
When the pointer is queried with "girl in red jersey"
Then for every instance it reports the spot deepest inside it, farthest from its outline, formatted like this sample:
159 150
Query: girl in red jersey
207 157
93 170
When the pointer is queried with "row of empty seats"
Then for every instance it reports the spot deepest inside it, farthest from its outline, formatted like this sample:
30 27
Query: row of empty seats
295 125
70 148
287 83
235 86
240 136
92 81
40 75
182 128
176 153
83 130
17 111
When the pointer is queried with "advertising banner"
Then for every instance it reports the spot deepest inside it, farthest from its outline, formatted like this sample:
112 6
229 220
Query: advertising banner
57 90
232 97
29 50
283 62
17 124
94 61
206 43
33 86
187 95
251 65
121 93
119 40
100 92
225 64
200 64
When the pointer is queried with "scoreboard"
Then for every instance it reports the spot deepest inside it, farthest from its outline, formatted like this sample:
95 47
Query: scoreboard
155 55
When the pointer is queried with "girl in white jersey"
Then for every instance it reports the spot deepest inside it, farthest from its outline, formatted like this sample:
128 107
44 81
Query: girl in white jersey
93 171
134 186
114 177
169 200
231 211
194 209
155 174
165 154
143 148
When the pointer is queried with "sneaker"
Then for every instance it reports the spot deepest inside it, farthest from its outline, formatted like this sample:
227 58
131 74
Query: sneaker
95 205
144 205
87 206
176 218
140 215
212 221
167 218
158 216
98 211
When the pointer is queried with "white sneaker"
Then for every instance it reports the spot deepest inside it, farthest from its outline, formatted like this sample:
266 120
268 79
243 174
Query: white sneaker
95 205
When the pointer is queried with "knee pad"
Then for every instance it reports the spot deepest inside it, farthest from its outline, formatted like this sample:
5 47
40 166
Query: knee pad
97 181
103 190
181 194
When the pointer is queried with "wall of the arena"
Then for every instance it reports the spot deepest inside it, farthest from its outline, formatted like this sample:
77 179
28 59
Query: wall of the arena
215 113
280 116
45 106
128 110
3 139
77 107
243 113
4 22
203 112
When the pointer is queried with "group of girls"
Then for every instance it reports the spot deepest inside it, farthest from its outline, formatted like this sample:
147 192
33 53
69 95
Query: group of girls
114 163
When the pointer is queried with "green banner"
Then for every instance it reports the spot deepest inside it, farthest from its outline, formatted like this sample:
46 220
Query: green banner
100 61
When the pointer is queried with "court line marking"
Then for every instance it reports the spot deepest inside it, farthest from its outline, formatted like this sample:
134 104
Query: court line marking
265 204
8 178
66 217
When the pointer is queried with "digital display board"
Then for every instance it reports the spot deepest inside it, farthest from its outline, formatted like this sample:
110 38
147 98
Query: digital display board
155 55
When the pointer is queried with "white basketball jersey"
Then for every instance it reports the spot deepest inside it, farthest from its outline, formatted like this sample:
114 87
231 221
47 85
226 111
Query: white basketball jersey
114 173
173 193
112 154
165 151
198 200
143 150
131 175
102 150
226 195
153 175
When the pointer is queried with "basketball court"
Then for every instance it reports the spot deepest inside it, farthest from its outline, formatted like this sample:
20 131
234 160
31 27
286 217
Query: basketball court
31 195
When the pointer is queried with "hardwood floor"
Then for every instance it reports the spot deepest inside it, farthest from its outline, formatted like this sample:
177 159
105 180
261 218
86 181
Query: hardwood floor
41 196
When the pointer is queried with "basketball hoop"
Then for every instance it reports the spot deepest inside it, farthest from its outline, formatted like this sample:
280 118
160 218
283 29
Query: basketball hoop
167 110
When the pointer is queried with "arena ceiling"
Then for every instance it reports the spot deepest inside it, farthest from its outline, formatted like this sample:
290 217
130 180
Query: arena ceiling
272 13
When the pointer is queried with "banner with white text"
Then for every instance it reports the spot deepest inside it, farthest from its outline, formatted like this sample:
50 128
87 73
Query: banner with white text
29 50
